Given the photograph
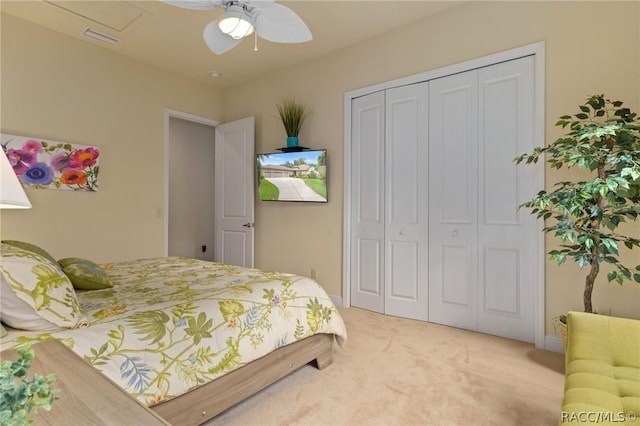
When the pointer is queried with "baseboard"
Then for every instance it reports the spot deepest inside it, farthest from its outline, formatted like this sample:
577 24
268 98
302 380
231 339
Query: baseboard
553 344
337 300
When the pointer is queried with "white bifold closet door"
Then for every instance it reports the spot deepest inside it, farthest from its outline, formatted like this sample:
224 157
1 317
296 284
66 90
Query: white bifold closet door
367 202
482 255
435 229
406 201
390 202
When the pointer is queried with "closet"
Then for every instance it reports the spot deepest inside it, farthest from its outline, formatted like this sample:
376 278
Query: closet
435 231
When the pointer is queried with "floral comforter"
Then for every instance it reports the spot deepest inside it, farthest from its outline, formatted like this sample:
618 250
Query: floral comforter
171 324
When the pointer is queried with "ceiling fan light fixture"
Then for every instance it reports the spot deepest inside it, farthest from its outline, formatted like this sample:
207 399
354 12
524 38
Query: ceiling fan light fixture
236 22
266 19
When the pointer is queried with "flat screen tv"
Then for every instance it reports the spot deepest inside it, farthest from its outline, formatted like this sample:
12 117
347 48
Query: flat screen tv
293 176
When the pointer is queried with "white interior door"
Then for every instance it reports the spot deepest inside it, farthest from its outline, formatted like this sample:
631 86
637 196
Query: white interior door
406 201
367 202
235 183
507 237
453 199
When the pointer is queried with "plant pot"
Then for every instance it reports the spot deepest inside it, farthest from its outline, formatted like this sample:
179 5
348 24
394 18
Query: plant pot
292 141
563 334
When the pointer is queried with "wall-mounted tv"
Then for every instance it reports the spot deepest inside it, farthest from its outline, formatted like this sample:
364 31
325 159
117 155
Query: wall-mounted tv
293 176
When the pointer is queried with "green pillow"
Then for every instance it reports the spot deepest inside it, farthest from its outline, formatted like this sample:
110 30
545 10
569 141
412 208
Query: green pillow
85 274
30 247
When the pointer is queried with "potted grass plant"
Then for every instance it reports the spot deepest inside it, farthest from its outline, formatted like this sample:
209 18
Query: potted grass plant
292 114
584 214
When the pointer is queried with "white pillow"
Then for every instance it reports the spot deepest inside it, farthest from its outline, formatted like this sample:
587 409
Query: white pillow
35 293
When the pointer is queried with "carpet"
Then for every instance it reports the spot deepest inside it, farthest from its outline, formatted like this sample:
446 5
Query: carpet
396 371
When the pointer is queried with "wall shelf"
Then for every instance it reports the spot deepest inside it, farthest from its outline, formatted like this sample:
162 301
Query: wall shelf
293 149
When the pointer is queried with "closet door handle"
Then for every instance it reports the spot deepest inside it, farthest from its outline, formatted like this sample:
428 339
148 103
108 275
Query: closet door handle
248 225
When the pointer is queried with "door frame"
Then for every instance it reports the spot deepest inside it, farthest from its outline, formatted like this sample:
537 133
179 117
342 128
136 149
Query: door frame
535 49
168 114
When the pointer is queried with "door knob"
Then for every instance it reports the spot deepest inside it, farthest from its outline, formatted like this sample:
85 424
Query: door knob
248 225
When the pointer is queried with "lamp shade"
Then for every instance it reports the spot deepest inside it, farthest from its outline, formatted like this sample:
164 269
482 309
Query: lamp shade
12 194
236 22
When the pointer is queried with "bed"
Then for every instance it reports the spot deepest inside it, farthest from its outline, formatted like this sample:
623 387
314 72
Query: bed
186 337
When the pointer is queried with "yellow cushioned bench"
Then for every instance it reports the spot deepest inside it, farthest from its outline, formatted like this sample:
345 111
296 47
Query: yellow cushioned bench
602 370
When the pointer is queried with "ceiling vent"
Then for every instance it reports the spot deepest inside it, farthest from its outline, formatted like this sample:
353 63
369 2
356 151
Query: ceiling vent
117 16
97 35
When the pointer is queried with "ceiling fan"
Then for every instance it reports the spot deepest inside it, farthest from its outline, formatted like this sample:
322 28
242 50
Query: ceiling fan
269 20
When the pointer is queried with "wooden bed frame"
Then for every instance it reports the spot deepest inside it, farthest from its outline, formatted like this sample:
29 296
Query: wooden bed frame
207 401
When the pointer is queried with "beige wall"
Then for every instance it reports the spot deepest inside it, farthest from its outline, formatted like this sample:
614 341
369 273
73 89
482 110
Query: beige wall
59 88
580 60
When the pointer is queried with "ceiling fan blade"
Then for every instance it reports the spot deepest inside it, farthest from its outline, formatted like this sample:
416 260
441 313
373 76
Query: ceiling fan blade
195 4
216 40
280 24
258 3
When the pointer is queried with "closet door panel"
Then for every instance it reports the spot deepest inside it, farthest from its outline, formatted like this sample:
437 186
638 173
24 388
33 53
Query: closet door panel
367 202
403 258
507 236
501 267
453 199
455 272
406 227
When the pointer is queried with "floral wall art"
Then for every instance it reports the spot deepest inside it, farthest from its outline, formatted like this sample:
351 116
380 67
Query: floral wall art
53 165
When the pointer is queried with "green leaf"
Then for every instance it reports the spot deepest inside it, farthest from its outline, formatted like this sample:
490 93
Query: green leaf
588 243
20 395
610 246
316 314
199 328
230 360
152 324
230 309
299 332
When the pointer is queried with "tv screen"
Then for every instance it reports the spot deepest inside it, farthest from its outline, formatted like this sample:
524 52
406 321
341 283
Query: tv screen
293 176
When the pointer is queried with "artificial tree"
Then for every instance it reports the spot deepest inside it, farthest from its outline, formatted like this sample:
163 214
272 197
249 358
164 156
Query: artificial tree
603 139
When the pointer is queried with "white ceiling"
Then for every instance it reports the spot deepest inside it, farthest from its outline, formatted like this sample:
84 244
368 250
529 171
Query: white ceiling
171 37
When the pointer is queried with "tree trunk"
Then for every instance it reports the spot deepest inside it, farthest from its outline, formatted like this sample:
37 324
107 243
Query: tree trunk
590 279
595 251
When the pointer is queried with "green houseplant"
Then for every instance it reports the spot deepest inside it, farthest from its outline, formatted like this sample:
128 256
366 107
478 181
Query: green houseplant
292 114
19 395
603 141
